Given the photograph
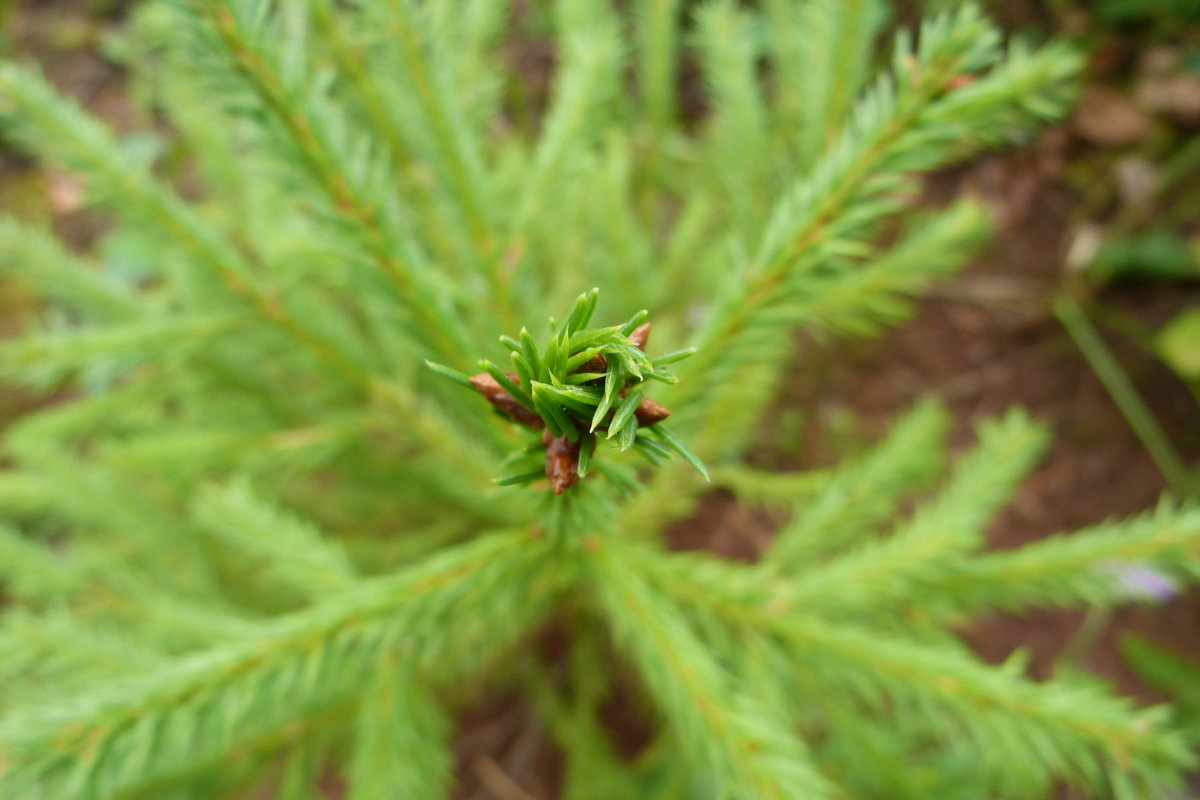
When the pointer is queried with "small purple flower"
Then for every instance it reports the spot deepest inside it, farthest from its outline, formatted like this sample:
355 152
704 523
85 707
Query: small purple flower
1141 582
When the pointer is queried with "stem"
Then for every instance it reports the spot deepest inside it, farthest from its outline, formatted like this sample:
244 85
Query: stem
1126 397
657 68
1084 639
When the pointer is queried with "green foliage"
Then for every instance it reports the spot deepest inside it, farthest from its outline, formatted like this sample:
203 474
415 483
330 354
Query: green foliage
1137 12
1156 254
1183 480
1144 240
1178 344
258 545
1168 671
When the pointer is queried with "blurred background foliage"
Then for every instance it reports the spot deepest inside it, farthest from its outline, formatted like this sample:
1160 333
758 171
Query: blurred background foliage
1127 289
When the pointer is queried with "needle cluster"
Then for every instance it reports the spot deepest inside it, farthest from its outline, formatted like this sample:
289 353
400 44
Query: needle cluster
584 384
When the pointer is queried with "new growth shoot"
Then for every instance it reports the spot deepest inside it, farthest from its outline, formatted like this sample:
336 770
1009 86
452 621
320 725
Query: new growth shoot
584 387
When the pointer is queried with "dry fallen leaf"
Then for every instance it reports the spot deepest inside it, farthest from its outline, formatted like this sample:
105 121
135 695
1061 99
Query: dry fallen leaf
1177 95
1108 118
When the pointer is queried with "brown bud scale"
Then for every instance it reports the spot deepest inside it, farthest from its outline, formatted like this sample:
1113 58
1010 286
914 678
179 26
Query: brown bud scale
639 336
593 364
649 412
487 386
562 463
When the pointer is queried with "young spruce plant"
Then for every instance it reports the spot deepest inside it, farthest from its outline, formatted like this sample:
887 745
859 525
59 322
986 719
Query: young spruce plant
259 542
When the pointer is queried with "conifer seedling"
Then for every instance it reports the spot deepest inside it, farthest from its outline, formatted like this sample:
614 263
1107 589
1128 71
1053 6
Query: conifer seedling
254 547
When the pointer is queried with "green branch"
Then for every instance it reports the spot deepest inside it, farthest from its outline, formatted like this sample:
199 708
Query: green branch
115 739
742 745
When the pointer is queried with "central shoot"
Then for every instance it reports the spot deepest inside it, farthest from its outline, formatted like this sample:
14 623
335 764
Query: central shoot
584 387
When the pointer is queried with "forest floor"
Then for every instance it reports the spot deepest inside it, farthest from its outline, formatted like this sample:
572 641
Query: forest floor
983 341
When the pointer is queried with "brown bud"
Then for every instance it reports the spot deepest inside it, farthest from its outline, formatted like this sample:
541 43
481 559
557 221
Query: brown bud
487 386
594 364
562 463
959 82
649 412
639 336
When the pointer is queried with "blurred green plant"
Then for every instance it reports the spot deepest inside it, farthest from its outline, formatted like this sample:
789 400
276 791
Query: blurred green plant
1178 342
1143 12
1183 480
1169 672
257 546
1143 243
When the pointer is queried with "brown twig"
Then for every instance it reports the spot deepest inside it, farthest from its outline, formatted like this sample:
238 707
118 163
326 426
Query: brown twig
499 782
487 386
562 462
